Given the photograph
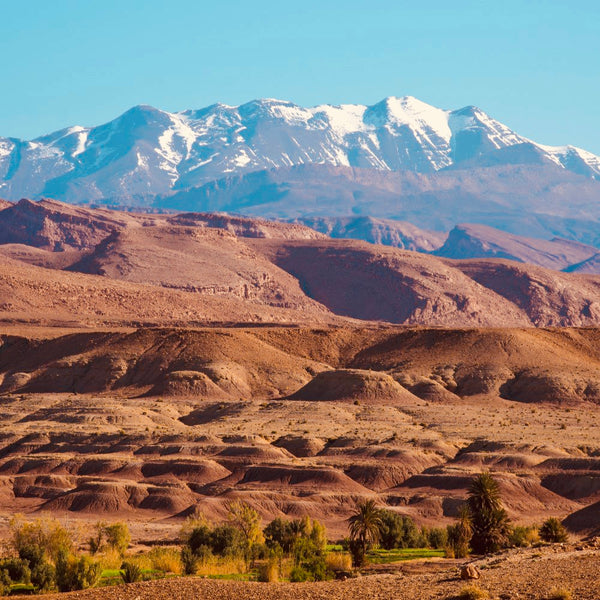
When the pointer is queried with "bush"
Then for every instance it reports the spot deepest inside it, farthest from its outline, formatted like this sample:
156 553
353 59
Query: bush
5 582
228 540
437 537
117 536
337 562
47 534
17 569
299 574
269 571
279 532
399 531
472 592
42 572
553 531
167 560
130 572
189 561
560 594
459 536
523 537
199 537
76 573
43 576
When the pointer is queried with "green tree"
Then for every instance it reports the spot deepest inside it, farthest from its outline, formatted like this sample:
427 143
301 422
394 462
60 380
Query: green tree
117 537
491 527
47 534
365 529
247 521
399 531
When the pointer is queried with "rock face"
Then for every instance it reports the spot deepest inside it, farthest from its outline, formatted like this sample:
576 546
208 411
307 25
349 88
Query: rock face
387 232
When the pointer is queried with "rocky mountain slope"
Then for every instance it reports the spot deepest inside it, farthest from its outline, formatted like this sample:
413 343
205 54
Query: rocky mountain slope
532 200
66 264
480 241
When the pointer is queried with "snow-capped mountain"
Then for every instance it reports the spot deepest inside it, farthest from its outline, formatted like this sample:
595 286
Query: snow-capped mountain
146 151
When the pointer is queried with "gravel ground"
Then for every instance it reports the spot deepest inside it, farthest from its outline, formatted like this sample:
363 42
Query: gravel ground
523 575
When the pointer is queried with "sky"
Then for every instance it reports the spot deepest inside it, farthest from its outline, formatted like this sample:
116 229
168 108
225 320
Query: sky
533 65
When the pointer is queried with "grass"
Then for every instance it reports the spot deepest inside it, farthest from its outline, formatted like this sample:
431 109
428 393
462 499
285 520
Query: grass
234 576
472 592
113 576
560 594
384 557
22 588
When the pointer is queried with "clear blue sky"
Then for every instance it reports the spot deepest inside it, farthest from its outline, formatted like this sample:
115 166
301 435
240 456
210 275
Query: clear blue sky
535 65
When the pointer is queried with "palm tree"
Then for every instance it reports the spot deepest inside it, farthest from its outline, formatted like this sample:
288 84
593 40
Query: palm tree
488 518
365 528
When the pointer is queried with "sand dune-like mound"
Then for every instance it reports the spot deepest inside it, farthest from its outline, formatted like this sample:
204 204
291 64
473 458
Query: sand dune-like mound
205 471
533 385
99 497
301 446
312 479
353 384
188 383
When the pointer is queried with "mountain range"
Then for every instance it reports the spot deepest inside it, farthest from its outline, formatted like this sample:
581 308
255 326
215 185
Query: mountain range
399 159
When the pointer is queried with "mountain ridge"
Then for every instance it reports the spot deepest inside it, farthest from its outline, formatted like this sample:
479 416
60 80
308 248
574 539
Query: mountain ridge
147 151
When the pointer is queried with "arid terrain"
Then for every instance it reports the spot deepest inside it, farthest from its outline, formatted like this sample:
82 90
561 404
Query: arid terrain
154 366
152 423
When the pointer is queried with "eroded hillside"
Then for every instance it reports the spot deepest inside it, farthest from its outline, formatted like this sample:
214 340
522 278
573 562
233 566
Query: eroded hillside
158 423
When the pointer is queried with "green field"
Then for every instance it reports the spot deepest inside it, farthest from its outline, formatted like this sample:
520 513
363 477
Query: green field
384 557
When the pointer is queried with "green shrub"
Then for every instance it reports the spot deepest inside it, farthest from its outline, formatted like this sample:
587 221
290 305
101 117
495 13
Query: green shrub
43 576
437 537
5 582
117 536
279 533
47 534
130 572
199 537
18 569
523 537
76 573
299 574
228 540
189 560
553 531
269 571
399 531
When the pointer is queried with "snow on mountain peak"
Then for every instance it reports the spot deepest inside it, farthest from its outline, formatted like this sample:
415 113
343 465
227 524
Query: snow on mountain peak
149 151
